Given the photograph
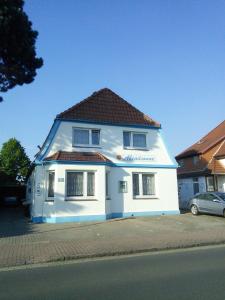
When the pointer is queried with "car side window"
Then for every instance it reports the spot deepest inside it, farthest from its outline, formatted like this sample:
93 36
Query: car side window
210 197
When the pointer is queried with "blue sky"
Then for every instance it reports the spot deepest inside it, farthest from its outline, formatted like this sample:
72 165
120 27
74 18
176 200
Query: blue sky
165 57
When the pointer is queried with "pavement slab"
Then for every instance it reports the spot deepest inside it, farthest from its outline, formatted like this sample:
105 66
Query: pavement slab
23 242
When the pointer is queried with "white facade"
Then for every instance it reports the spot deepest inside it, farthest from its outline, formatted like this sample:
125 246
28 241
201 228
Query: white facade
120 201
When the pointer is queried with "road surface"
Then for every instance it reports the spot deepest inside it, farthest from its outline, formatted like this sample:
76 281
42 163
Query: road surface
176 275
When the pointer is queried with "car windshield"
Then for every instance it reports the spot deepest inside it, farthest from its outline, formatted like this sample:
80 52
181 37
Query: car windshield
221 195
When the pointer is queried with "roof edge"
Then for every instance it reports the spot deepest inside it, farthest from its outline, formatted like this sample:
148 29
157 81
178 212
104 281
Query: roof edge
109 123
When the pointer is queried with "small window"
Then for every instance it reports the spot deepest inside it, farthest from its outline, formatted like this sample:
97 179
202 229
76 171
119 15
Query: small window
136 185
107 184
195 159
122 186
90 184
134 140
95 134
126 138
86 137
51 184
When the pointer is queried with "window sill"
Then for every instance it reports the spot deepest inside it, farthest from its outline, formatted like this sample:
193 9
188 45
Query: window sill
49 200
139 149
80 199
146 198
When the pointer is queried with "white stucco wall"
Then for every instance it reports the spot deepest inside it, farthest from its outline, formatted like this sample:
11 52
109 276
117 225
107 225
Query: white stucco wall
166 198
111 145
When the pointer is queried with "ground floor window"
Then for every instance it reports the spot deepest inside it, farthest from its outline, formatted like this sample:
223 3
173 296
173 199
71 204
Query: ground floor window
51 184
80 184
143 185
210 184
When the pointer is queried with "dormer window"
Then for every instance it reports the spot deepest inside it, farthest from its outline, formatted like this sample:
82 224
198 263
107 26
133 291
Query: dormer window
195 159
83 137
134 140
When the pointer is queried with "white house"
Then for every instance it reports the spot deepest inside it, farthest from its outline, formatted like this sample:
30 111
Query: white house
102 159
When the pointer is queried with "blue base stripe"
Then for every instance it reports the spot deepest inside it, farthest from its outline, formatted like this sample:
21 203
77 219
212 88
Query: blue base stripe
91 218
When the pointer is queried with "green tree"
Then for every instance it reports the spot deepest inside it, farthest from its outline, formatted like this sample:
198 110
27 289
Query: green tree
14 162
18 61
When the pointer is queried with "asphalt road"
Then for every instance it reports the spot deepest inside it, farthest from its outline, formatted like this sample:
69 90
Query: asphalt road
190 274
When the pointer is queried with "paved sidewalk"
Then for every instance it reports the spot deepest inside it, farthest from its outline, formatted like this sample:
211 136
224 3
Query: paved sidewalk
22 242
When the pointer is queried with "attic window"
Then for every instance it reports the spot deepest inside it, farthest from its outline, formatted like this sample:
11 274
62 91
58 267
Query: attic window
195 159
86 137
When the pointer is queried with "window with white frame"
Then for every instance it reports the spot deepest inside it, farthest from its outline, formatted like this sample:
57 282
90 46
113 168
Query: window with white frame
51 184
86 137
80 184
144 185
134 140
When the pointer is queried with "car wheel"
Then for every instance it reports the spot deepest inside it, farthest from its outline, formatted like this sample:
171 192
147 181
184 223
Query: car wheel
194 210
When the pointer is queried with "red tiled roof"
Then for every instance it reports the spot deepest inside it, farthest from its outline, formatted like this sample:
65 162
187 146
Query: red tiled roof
214 137
221 152
78 156
207 164
106 106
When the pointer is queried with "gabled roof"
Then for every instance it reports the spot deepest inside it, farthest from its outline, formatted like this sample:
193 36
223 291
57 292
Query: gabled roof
78 156
107 107
214 137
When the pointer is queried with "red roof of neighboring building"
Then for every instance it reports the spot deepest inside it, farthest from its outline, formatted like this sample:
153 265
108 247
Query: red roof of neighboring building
221 152
204 144
106 106
78 156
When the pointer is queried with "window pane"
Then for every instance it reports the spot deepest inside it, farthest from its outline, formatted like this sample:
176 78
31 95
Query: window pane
122 186
51 183
95 137
139 140
126 139
148 183
210 184
90 184
135 184
74 184
81 136
107 183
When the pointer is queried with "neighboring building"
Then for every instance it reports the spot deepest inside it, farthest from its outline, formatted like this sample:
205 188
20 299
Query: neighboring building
102 159
202 166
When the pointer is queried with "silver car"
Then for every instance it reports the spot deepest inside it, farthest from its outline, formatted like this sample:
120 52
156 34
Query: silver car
210 203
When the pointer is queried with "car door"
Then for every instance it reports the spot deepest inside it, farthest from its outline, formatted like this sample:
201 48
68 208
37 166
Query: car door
203 203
